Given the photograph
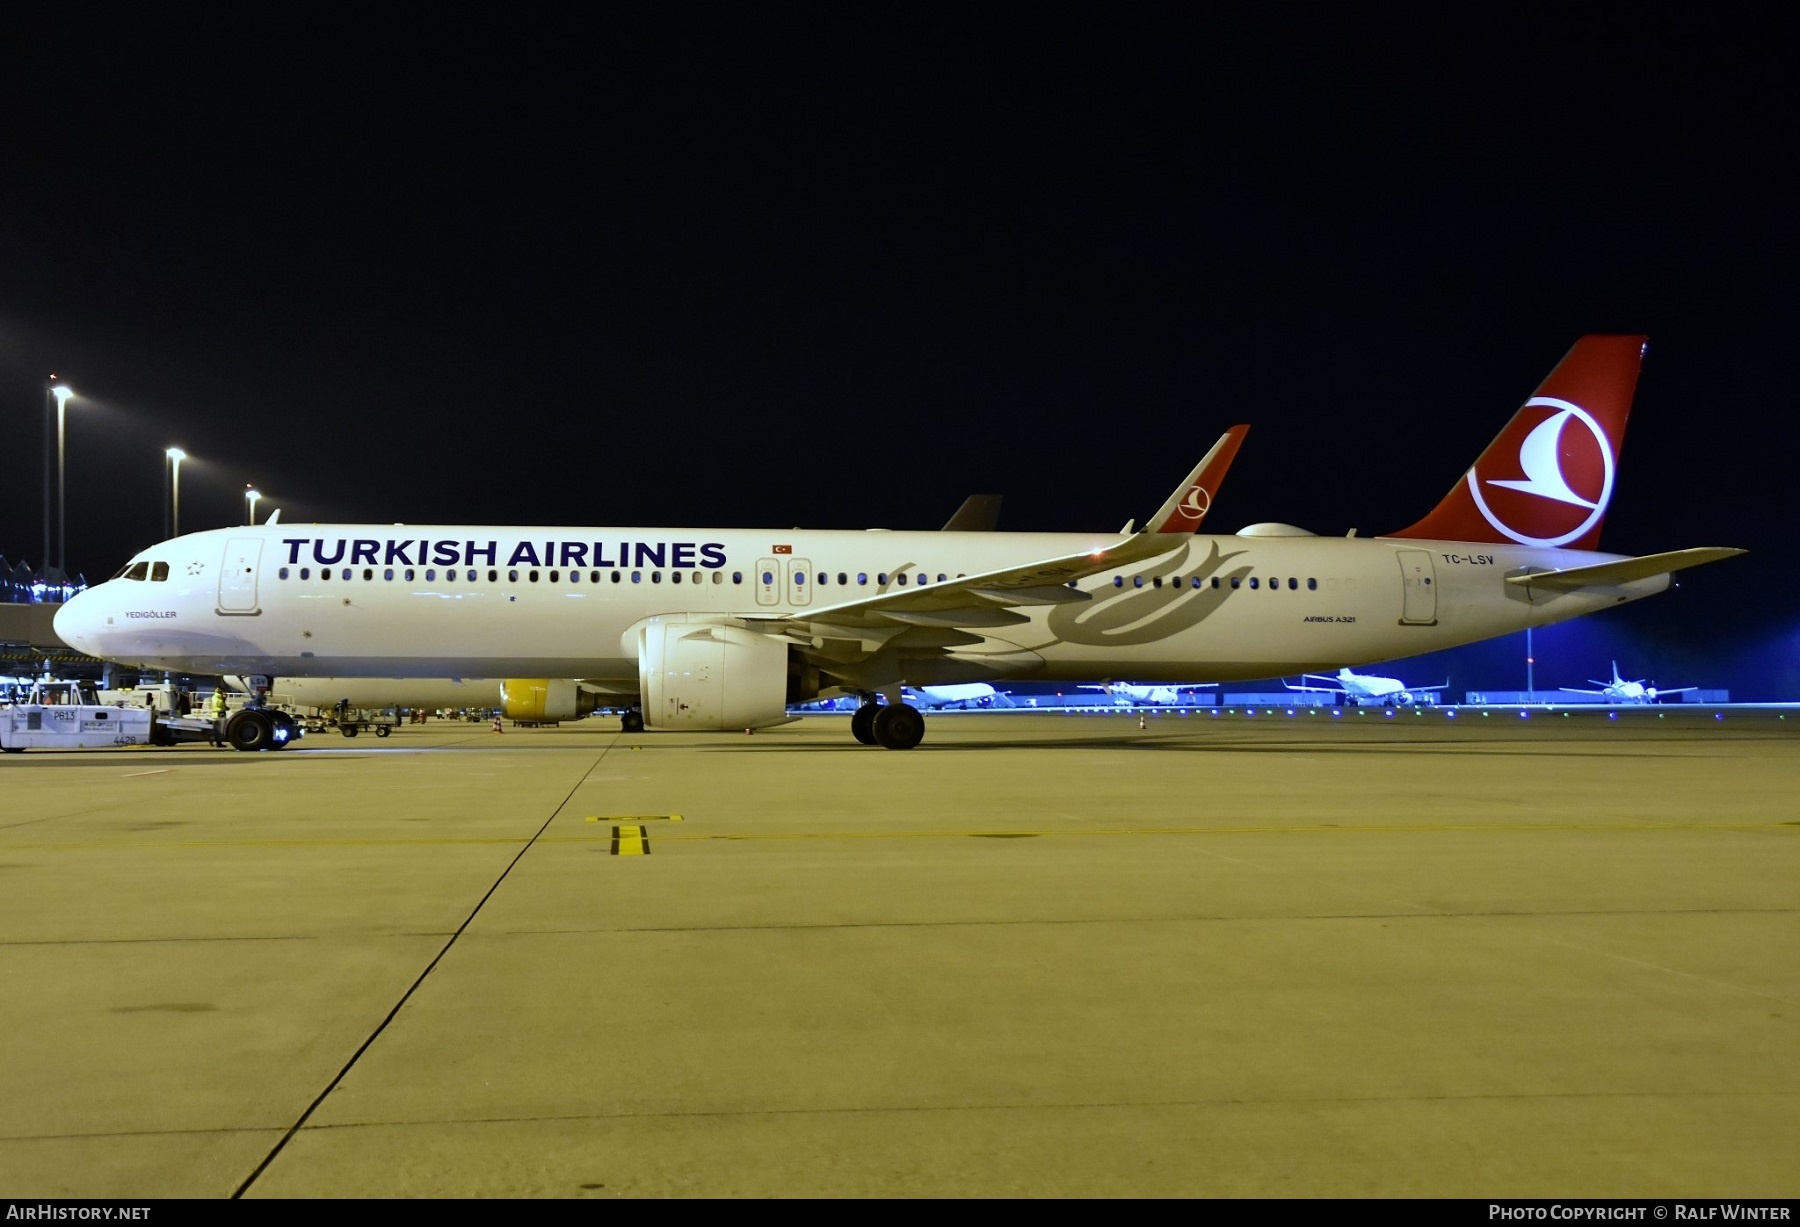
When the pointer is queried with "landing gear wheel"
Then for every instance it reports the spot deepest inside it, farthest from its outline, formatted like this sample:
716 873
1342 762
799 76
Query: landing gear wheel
631 722
862 723
382 730
899 727
250 730
348 730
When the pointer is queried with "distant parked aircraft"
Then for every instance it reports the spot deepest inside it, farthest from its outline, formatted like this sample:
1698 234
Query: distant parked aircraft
1160 696
961 694
1621 691
1365 689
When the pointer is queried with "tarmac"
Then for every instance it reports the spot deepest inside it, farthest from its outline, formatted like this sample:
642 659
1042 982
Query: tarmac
1042 955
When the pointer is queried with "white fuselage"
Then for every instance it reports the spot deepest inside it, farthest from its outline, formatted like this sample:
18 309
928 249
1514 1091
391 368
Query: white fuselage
392 601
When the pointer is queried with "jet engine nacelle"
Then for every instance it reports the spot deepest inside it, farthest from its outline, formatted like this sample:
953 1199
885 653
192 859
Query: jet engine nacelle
544 700
710 675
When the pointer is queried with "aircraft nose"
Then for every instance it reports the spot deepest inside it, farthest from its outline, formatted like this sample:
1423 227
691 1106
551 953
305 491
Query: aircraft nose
76 622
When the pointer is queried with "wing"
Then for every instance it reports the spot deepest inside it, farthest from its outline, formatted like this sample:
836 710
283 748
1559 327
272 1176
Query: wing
914 625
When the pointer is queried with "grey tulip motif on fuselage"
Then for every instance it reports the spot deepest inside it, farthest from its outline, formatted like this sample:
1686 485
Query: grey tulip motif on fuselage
1131 615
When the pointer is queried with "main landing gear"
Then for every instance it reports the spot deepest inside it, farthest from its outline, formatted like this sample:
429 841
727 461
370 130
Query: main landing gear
898 726
632 721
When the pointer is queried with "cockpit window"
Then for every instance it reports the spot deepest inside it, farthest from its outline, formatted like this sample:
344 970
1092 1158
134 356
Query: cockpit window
137 570
159 571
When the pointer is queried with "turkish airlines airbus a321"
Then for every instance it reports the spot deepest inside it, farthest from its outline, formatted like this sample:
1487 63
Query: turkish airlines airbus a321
721 630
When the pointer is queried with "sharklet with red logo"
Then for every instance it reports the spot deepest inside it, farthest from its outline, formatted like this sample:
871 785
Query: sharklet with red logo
1547 478
1187 507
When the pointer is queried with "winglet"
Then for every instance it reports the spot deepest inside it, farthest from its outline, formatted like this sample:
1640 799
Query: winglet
979 513
1185 508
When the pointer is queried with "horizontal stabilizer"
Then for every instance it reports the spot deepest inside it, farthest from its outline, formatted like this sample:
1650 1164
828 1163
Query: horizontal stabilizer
1623 571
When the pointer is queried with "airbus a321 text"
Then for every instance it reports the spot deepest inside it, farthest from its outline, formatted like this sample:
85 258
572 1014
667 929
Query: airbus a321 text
722 629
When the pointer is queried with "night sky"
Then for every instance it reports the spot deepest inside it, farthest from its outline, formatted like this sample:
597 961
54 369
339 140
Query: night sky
839 266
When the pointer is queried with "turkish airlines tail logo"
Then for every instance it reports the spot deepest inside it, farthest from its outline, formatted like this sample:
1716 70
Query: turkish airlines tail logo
1547 478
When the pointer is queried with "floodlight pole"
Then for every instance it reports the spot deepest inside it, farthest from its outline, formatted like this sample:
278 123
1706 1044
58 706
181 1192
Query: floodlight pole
172 493
44 558
61 394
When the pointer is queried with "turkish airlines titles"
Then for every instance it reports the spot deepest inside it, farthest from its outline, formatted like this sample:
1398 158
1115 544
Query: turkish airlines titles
409 552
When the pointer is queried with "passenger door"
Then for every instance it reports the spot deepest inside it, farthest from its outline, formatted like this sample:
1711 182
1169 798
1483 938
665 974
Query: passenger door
237 576
1418 599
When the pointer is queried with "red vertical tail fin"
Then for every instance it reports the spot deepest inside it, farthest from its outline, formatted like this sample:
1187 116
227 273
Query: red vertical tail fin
1547 478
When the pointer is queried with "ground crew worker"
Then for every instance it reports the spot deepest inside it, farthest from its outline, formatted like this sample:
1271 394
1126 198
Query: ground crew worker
217 710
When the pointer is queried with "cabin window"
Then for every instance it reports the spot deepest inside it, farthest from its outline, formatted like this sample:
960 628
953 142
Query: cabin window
615 577
493 577
324 572
283 573
842 578
718 577
656 577
799 579
768 577
881 578
637 577
862 577
1253 583
388 575
368 574
409 575
512 577
305 572
1137 581
737 577
1157 582
900 579
1118 581
1293 584
556 575
431 575
824 578
1312 585
532 576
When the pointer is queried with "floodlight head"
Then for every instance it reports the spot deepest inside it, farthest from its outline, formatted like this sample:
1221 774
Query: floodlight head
62 392
176 454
